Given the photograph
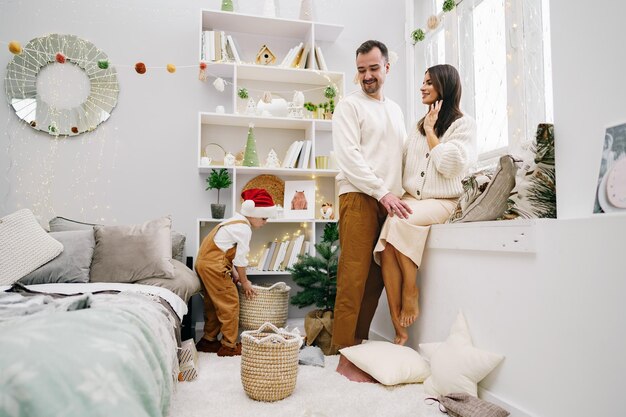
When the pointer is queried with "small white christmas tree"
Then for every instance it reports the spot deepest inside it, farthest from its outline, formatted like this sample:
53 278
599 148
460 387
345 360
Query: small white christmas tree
251 108
272 160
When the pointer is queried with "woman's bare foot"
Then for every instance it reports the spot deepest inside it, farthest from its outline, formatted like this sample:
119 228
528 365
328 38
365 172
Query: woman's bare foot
409 311
401 337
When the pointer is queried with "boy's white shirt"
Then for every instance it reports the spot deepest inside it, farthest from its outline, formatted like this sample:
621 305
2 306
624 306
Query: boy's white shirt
239 234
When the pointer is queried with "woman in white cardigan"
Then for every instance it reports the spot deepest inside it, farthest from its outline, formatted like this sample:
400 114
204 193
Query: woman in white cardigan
435 160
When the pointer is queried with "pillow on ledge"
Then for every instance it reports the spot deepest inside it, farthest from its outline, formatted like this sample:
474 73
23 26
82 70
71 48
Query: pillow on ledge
131 253
388 363
492 203
72 265
24 246
61 224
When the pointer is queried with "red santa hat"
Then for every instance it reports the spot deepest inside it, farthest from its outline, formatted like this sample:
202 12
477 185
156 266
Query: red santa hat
257 203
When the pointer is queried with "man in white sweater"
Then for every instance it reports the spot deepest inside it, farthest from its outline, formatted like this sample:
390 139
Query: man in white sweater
368 139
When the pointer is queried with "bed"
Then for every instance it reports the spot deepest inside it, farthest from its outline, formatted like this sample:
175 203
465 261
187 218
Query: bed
90 317
95 349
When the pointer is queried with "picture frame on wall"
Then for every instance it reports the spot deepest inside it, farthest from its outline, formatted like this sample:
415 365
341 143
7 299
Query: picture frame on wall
611 188
299 200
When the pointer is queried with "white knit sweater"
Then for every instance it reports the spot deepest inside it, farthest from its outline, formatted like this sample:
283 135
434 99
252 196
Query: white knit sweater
368 139
437 172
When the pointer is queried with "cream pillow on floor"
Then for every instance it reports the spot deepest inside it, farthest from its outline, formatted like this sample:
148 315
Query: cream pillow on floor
24 246
456 365
388 363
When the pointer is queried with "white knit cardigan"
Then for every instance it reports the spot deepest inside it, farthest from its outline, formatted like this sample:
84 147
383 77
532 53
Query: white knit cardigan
437 172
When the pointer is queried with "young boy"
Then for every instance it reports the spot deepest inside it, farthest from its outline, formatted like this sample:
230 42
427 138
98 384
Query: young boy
224 251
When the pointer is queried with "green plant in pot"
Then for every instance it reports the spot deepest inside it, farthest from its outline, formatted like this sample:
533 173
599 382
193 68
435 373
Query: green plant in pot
317 278
217 180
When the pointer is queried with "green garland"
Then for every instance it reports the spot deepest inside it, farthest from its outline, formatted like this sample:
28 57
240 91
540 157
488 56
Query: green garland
448 5
417 35
243 93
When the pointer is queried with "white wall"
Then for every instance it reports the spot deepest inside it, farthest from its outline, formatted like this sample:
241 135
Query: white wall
556 314
141 163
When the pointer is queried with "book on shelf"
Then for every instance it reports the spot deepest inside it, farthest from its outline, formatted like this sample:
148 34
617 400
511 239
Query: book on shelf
232 49
270 255
319 59
263 256
285 262
218 47
297 247
281 255
270 267
292 154
291 56
298 55
305 155
302 61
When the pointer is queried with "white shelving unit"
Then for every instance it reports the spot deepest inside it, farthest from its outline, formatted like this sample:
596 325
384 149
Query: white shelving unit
229 130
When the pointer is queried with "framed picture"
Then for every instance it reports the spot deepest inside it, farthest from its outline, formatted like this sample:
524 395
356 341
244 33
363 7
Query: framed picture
611 190
299 200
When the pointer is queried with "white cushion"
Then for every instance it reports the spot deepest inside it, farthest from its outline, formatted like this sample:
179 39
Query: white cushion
388 363
456 365
24 246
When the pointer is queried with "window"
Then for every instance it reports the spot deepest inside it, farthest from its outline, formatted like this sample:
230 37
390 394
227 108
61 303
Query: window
501 49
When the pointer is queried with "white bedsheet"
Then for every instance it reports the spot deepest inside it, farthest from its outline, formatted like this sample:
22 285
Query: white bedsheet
177 304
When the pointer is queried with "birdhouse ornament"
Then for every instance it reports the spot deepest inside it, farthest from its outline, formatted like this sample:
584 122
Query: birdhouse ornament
265 56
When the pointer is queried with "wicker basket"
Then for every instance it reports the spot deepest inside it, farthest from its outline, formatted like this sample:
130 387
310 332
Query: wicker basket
269 362
269 305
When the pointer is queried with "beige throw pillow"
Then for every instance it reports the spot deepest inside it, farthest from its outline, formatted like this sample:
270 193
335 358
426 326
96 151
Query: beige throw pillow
24 246
492 203
131 253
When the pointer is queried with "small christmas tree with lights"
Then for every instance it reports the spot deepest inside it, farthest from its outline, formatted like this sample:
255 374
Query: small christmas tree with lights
317 275
251 158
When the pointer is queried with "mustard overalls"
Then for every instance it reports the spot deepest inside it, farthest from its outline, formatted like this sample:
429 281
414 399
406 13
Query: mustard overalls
221 298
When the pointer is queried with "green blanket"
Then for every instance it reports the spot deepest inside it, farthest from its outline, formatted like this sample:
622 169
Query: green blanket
108 355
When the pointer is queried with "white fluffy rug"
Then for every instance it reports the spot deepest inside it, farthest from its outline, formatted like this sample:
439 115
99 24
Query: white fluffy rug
320 392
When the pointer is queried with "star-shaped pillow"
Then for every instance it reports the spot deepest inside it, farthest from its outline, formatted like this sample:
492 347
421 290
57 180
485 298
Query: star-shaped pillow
456 365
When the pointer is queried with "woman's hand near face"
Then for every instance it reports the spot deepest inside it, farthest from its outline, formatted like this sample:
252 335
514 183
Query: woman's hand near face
432 116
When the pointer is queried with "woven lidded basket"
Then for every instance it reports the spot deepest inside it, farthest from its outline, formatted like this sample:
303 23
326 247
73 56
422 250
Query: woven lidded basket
269 362
270 304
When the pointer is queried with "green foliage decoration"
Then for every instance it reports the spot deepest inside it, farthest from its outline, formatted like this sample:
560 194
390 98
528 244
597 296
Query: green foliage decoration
218 180
317 275
243 93
417 35
448 5
227 5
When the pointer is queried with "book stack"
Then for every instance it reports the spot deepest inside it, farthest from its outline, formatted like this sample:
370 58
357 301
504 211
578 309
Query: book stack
278 256
304 56
218 47
298 155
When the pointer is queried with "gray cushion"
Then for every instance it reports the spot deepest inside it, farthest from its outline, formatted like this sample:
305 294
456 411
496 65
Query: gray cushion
491 204
185 283
60 224
72 265
131 253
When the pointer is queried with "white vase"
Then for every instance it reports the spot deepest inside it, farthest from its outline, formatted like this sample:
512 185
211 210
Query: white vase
306 10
